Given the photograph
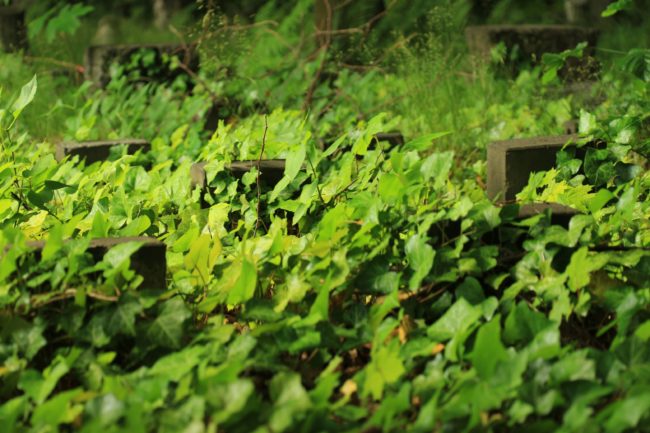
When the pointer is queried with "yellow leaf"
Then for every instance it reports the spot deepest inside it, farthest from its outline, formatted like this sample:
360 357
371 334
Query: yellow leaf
33 226
349 388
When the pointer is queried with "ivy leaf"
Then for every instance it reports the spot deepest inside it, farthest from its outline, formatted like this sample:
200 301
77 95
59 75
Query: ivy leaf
290 401
244 287
420 256
588 123
120 254
167 329
39 386
424 142
57 410
100 226
27 94
615 7
581 265
488 348
54 242
122 318
456 320
231 399
437 165
385 368
10 411
176 365
67 20
625 414
136 227
202 257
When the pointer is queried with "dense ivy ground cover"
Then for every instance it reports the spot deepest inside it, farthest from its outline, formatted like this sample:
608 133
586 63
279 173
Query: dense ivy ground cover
378 289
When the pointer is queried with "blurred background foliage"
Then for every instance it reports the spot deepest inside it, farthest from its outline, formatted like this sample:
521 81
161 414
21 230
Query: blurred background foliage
405 57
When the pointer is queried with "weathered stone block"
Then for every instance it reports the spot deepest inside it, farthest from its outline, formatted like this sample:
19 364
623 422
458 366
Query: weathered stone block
13 32
271 171
560 214
99 58
532 41
511 162
570 126
149 261
393 138
93 151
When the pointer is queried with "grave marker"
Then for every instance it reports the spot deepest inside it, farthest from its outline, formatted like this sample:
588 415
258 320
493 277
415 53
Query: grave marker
13 32
393 138
93 151
99 58
510 164
532 41
271 171
149 260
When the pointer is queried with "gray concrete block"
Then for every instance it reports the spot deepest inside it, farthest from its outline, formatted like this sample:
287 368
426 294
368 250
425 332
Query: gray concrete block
149 261
532 41
13 31
511 162
570 126
99 58
271 171
533 209
393 138
93 151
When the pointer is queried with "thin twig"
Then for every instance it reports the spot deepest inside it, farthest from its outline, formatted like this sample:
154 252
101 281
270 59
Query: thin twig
213 96
320 195
309 97
186 48
75 67
259 164
71 293
324 48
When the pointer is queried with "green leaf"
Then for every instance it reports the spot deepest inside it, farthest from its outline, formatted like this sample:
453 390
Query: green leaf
437 165
244 287
230 399
643 331
52 185
626 414
38 386
101 225
10 411
599 200
122 318
488 349
176 365
167 329
58 410
385 368
27 94
202 257
136 227
581 265
420 256
120 254
426 141
391 188
456 320
54 242
66 21
587 123
291 401
615 7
